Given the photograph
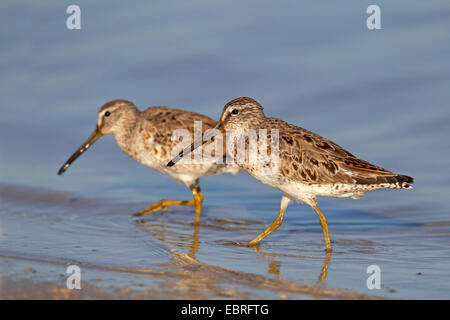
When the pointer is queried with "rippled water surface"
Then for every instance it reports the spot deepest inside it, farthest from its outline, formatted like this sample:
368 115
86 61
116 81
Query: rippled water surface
384 95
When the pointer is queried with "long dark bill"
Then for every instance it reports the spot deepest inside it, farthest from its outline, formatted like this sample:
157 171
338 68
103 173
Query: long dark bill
197 143
89 142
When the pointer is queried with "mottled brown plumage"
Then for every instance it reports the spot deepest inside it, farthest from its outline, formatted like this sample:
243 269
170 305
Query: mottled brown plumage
310 158
307 165
147 137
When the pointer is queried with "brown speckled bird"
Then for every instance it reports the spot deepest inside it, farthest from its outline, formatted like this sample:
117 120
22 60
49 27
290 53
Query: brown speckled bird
147 137
308 165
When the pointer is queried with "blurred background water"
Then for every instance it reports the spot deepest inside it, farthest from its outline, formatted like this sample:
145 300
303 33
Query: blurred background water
381 94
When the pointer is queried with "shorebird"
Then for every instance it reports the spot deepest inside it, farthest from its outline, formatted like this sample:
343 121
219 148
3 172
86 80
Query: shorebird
146 137
309 166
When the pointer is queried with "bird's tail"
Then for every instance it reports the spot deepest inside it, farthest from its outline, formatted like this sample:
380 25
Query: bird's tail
397 181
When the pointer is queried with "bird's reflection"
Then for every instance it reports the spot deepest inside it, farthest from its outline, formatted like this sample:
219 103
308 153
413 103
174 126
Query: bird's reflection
195 241
274 265
324 271
174 233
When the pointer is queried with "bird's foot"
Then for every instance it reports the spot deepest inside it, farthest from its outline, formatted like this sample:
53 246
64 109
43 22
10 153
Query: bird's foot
162 205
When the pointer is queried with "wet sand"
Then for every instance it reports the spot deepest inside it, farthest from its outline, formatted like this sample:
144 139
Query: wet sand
190 279
29 272
167 257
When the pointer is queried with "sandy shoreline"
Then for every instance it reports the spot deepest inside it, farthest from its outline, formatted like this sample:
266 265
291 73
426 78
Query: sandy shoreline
186 279
166 257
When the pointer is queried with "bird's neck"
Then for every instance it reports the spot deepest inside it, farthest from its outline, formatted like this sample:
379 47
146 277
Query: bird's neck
258 123
125 135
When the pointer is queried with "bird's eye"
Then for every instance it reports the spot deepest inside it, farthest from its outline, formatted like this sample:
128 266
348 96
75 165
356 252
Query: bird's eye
107 114
235 111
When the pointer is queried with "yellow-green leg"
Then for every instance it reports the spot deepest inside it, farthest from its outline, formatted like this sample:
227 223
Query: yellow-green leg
164 204
275 224
324 224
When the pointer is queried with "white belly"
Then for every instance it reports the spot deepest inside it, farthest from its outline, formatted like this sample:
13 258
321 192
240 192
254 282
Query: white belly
306 191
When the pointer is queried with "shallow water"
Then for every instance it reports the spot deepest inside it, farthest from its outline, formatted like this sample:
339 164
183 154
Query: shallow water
381 94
